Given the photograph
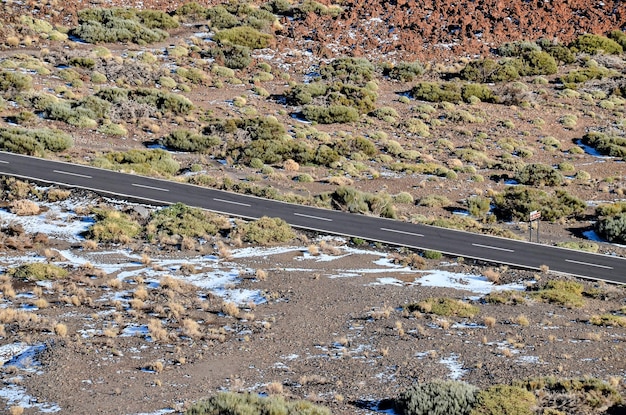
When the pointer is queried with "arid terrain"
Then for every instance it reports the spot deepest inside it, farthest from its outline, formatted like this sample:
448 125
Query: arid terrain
153 322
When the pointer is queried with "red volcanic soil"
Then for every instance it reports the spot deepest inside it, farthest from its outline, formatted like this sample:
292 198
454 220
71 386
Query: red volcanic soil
426 29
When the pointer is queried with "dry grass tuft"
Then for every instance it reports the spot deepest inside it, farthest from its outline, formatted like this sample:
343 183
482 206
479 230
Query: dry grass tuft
223 251
230 309
140 293
41 303
522 320
492 275
290 165
155 367
145 259
90 245
489 321
313 250
16 410
381 313
191 328
24 207
157 332
274 388
260 274
60 330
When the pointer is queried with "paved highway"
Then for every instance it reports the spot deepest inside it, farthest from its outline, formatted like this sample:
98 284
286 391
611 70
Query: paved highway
452 242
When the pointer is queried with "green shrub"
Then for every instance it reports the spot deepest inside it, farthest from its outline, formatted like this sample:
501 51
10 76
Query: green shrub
416 126
13 82
183 220
592 44
537 174
580 245
537 63
504 400
312 6
112 226
191 11
185 140
437 398
478 206
140 161
517 48
221 18
577 76
113 129
508 297
405 71
252 403
619 37
565 293
34 141
330 115
443 306
480 91
230 55
98 25
434 92
433 254
606 144
244 36
403 197
265 231
352 70
38 271
165 102
559 52
434 201
612 228
516 203
587 395
355 201
82 62
608 320
489 70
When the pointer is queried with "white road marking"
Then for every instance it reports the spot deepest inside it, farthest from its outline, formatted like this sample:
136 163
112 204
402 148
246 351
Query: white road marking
404 232
587 263
493 247
72 174
312 217
4 162
151 187
231 202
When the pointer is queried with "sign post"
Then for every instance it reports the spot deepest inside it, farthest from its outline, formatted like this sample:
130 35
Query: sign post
533 216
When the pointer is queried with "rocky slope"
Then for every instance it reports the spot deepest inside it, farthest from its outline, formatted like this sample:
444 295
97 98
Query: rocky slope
430 30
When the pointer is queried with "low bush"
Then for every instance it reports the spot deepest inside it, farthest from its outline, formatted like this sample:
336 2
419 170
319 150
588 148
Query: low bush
34 141
405 71
13 82
164 102
606 144
561 53
592 44
253 403
436 92
580 395
183 220
612 228
38 271
565 293
331 114
146 162
608 320
265 231
244 36
356 201
220 18
185 140
112 226
504 400
619 37
110 25
441 397
537 174
489 70
578 76
443 306
580 246
351 70
508 297
516 203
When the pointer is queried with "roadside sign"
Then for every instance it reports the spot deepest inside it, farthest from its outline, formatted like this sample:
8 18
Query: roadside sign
534 215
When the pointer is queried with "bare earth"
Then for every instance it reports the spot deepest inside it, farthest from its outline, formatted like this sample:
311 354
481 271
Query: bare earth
330 327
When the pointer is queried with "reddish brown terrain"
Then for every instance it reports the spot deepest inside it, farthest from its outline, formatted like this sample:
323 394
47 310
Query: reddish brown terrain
328 323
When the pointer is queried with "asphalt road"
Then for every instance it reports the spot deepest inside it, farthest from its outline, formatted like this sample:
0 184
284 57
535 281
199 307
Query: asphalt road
452 242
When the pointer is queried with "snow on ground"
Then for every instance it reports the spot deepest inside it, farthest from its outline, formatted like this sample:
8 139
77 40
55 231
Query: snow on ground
217 275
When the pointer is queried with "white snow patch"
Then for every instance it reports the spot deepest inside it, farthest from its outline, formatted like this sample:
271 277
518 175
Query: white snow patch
455 367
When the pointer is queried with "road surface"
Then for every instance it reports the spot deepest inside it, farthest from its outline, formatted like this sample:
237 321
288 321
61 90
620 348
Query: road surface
448 241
